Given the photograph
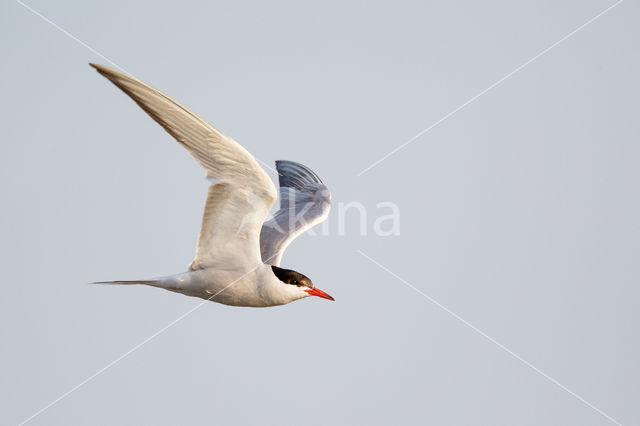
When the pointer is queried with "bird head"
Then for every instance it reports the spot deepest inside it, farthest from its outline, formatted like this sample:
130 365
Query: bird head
302 282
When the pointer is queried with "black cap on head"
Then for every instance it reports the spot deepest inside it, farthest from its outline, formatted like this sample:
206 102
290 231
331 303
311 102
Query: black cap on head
288 276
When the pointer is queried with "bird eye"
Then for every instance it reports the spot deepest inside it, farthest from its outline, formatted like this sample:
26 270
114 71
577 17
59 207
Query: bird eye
294 282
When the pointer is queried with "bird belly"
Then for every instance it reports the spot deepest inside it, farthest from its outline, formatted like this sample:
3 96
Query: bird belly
232 288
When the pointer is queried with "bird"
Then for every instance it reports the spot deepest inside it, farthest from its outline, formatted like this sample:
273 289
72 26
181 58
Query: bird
239 251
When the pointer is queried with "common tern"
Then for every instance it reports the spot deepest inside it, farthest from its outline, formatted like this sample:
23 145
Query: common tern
238 254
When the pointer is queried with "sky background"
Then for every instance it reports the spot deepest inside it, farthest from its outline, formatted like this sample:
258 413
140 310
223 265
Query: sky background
519 213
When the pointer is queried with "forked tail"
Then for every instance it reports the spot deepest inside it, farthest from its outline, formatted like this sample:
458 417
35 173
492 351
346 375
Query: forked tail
146 282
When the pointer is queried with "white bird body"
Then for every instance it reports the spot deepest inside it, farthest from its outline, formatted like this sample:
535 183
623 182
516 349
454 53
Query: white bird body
238 253
256 288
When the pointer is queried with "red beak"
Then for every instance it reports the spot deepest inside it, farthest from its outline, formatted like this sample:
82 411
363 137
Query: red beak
319 293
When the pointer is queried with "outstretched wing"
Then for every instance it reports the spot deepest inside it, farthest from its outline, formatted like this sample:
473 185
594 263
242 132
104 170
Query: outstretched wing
242 194
304 202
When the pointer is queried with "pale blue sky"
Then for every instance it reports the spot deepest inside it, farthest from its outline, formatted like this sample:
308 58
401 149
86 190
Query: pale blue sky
519 213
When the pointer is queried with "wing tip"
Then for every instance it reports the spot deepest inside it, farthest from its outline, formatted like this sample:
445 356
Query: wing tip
105 71
295 175
97 67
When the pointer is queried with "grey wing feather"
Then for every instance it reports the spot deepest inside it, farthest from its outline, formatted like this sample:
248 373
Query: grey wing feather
304 202
295 175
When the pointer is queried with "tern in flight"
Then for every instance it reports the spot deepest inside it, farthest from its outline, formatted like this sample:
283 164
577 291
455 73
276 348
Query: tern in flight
238 254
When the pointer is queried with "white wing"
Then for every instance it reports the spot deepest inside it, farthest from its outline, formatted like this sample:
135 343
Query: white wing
242 195
304 202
